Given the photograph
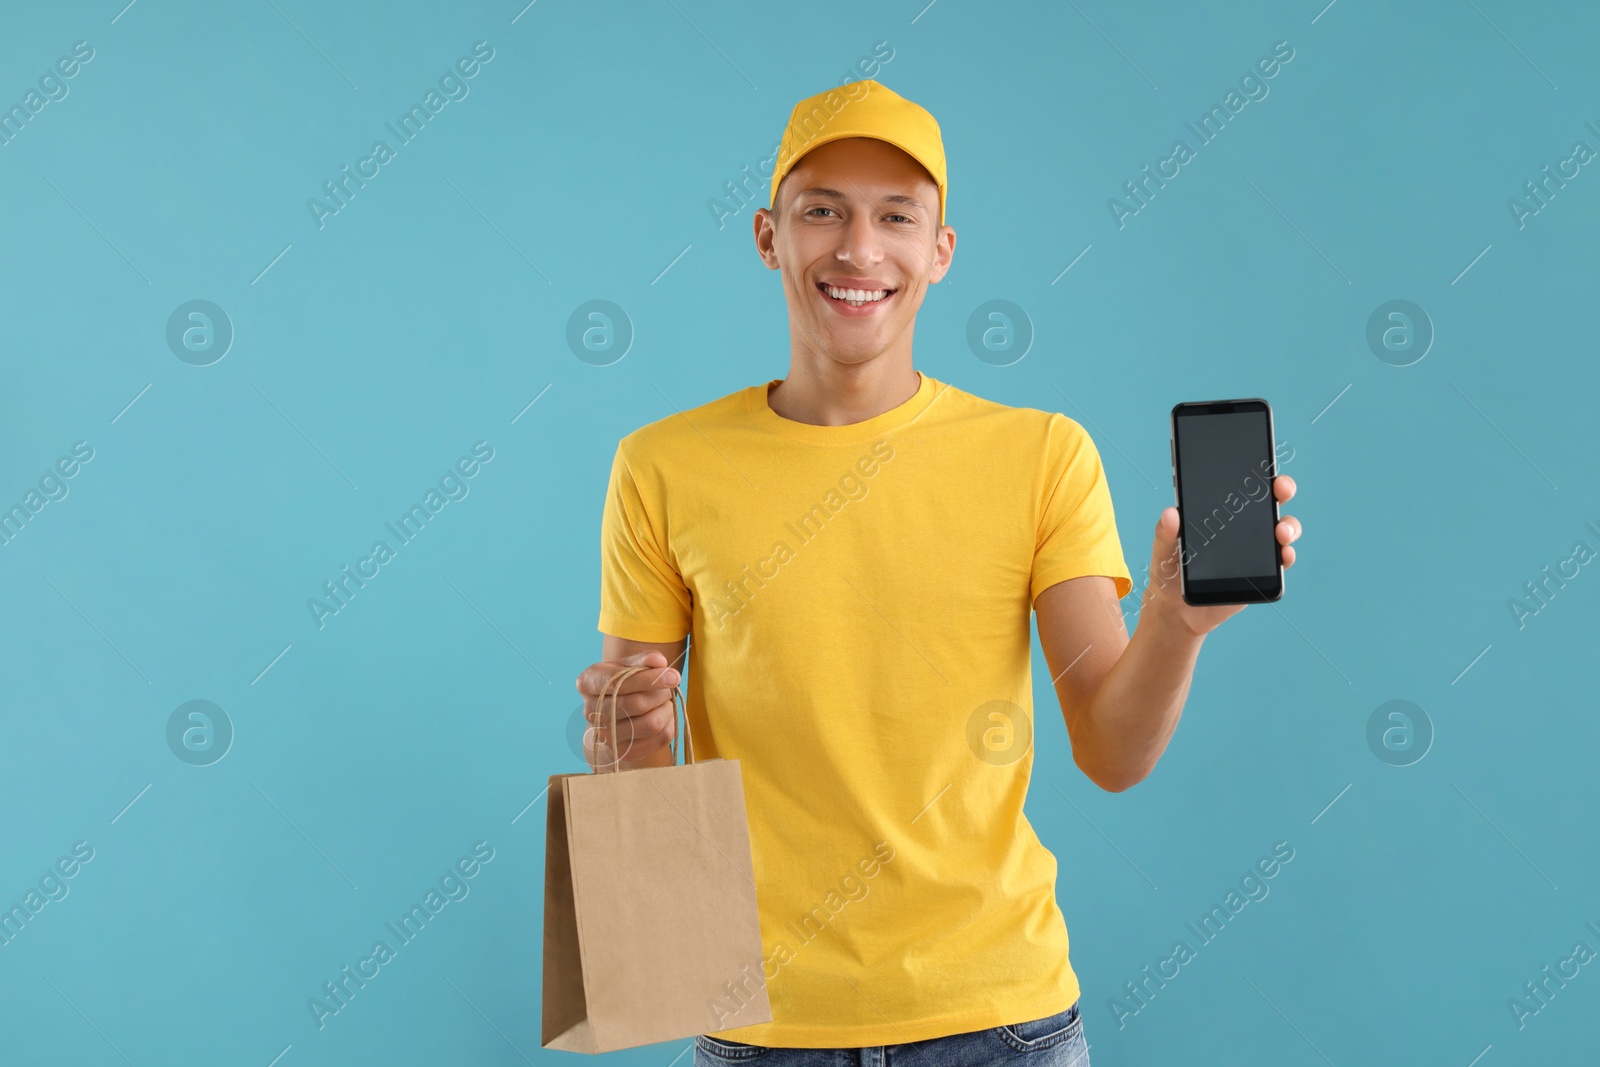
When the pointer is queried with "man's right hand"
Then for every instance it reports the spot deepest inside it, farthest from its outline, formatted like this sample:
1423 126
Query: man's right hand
646 721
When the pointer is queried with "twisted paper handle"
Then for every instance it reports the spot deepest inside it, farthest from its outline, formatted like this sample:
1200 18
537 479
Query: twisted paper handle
611 733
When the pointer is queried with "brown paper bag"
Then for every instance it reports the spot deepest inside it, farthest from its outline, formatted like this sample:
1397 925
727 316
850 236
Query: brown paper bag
650 924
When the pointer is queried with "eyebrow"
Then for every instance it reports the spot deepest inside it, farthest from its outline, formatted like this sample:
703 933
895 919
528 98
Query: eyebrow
891 198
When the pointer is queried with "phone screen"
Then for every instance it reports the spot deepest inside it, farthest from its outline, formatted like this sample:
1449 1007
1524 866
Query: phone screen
1223 454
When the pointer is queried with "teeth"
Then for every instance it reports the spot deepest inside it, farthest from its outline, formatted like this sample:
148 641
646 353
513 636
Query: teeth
857 297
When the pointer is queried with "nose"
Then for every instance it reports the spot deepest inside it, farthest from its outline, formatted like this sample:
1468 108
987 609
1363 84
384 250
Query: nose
859 244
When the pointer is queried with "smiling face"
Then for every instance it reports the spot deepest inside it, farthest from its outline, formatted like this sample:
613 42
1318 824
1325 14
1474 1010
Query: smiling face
855 231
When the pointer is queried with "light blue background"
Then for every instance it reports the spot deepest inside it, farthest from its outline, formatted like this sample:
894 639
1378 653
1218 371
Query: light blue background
432 310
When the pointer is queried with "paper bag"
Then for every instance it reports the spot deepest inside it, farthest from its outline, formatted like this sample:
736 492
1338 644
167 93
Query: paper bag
650 924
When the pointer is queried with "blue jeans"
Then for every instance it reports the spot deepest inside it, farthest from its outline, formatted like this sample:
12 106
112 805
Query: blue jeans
1054 1041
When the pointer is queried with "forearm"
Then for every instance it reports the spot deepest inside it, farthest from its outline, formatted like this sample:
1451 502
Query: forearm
1121 733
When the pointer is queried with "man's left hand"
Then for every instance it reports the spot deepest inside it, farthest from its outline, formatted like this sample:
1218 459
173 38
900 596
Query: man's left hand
1164 594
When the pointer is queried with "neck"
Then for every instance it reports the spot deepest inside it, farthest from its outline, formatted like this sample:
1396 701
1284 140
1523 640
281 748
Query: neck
825 393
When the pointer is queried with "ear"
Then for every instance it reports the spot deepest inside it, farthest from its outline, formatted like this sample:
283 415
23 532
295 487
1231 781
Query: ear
765 229
944 250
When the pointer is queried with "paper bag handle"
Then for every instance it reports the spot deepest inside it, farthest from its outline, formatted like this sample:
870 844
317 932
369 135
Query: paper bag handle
611 733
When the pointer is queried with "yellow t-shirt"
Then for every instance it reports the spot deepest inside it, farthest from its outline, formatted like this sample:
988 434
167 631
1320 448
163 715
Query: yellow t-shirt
858 602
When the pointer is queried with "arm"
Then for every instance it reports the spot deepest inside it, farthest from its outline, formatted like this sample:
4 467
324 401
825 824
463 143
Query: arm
646 718
641 591
1122 698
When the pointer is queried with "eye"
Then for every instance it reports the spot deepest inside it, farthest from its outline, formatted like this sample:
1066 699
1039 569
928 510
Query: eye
818 208
906 218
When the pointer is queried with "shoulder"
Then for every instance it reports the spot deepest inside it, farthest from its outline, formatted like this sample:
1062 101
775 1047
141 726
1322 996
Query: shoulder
685 431
1034 426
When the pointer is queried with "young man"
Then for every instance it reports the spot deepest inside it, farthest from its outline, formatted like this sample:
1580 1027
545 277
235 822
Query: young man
855 549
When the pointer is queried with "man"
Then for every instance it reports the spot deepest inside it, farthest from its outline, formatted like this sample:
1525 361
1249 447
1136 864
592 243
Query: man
855 549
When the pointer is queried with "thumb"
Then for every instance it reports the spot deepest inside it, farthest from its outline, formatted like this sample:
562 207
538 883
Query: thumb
1167 527
652 658
1164 553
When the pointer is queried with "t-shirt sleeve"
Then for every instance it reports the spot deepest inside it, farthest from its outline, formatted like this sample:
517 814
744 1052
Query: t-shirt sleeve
1077 528
642 595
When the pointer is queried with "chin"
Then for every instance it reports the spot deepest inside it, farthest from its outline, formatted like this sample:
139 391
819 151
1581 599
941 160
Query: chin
853 358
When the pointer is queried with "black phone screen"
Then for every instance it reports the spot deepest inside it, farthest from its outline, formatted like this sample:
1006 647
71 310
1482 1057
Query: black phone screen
1224 464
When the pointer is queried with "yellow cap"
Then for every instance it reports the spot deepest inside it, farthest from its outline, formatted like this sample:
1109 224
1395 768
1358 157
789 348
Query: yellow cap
862 109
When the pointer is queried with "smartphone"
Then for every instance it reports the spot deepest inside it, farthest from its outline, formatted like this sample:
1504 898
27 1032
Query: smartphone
1223 463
